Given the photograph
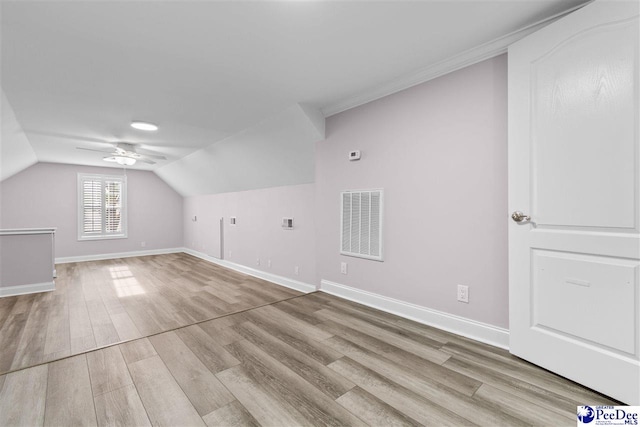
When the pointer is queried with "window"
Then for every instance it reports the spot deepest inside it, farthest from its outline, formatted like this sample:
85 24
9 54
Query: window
102 210
361 232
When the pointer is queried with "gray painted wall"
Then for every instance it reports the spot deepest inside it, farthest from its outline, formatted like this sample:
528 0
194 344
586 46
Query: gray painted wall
45 195
439 150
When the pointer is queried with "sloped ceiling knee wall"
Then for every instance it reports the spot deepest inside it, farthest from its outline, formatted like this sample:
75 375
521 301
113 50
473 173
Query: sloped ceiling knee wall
16 153
276 152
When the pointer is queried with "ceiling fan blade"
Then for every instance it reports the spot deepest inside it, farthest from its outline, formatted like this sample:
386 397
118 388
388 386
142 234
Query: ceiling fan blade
153 156
150 154
95 149
125 149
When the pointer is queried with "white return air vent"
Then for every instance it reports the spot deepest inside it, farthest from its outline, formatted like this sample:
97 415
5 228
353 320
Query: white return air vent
361 218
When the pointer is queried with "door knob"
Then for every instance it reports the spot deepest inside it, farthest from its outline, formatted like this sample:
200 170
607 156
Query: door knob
518 216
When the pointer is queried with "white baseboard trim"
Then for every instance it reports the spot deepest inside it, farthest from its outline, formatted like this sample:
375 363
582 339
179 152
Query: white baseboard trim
32 288
100 257
279 280
478 331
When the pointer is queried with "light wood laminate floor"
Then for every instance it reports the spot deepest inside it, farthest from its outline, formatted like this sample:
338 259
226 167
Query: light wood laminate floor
100 303
309 360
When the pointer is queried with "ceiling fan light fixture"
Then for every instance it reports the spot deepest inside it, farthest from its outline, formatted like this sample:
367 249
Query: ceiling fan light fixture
125 161
144 126
121 160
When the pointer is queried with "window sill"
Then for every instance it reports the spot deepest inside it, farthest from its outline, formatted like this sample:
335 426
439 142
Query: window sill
115 236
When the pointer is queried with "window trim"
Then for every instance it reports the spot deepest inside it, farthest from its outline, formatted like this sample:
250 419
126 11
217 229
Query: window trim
123 210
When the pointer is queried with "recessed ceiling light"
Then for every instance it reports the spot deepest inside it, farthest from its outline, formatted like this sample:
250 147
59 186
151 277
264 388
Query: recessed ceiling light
144 126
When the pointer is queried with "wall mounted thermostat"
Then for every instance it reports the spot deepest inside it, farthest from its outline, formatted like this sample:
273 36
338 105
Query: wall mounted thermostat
287 223
354 155
232 220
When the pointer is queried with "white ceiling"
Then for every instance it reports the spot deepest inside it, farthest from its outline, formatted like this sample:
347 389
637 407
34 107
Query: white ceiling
76 73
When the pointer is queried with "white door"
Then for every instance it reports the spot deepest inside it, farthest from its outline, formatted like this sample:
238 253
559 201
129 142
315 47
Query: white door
574 168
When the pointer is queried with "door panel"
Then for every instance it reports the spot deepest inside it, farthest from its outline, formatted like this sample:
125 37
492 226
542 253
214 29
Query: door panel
569 288
574 167
580 92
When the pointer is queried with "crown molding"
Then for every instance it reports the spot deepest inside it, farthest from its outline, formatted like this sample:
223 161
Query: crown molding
469 57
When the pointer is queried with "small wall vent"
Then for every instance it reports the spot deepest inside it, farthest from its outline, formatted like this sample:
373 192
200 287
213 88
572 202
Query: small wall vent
361 219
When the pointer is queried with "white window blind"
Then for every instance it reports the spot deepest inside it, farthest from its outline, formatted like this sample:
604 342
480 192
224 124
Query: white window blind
101 207
361 219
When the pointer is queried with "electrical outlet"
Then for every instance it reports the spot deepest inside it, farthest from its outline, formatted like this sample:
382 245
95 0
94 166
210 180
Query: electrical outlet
463 293
229 253
258 261
296 270
343 267
269 263
143 244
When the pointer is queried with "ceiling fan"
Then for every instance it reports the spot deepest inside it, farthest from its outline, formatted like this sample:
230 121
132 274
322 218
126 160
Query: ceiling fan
126 154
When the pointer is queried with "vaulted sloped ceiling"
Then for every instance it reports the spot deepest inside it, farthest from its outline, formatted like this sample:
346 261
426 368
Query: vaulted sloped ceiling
16 153
278 151
209 73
